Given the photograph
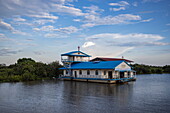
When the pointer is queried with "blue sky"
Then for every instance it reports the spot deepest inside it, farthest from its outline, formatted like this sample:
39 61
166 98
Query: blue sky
139 30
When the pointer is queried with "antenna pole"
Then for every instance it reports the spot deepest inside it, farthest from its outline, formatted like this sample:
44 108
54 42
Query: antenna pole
78 48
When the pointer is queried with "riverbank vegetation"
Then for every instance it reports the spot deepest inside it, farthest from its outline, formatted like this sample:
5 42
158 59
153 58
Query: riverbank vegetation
26 69
147 69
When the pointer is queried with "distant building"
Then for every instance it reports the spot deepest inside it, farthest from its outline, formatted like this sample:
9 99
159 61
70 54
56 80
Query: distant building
78 66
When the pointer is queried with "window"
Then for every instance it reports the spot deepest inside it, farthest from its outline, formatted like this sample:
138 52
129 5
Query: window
104 72
88 72
80 72
96 72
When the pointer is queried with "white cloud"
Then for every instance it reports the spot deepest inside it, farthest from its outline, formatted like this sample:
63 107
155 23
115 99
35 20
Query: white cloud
92 20
121 3
8 27
2 35
5 26
168 24
37 8
67 30
3 38
44 15
128 40
88 44
8 52
117 9
20 32
93 10
53 35
47 28
158 43
43 21
118 44
76 20
135 4
19 19
34 22
23 23
36 29
44 28
93 17
147 20
88 25
67 10
135 37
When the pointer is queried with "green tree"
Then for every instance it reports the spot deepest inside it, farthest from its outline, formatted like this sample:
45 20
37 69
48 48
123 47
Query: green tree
166 69
53 69
41 69
25 60
27 76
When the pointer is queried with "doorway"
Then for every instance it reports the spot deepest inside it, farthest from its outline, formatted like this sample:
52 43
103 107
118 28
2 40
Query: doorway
75 74
122 74
110 75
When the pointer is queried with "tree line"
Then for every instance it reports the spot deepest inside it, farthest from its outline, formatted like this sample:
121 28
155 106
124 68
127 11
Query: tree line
147 69
26 69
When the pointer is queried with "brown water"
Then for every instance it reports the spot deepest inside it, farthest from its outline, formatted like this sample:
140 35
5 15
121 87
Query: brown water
149 94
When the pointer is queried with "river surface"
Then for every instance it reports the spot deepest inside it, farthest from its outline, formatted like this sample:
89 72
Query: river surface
149 94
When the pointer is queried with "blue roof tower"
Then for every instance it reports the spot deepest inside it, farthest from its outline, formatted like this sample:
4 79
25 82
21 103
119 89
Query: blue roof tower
74 57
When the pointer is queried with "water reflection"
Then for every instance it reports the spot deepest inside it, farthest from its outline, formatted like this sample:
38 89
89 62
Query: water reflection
149 94
90 96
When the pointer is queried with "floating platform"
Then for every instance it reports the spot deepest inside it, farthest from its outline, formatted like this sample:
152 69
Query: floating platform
100 80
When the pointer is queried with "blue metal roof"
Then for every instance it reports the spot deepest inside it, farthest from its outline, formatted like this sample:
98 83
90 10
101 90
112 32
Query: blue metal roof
73 54
95 65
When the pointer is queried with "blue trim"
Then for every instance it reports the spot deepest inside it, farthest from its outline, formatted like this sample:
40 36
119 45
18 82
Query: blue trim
71 54
128 64
86 68
123 70
99 78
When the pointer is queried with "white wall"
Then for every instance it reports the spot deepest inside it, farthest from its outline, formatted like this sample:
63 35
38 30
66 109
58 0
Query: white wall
84 72
93 75
123 66
115 74
64 72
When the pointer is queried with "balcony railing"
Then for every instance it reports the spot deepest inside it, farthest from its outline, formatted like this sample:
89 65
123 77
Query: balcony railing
76 60
98 76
